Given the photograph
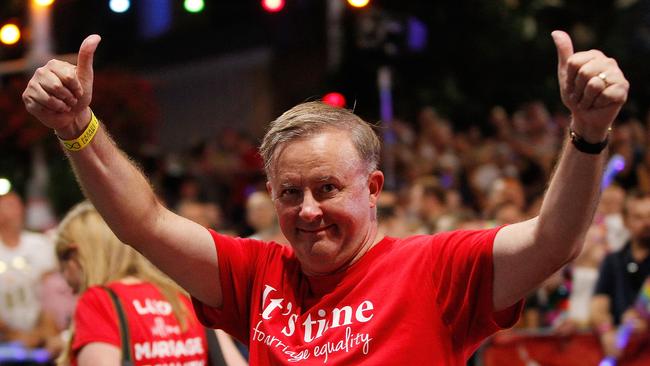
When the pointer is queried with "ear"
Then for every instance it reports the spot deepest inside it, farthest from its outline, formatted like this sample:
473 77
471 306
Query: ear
375 185
269 189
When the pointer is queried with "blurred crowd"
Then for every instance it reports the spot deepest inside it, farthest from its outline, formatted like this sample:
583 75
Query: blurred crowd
439 178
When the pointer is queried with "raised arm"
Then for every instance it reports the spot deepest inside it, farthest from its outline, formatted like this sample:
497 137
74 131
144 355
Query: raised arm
59 95
593 88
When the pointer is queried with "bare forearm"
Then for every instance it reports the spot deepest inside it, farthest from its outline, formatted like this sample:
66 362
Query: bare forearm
59 95
528 252
570 203
126 201
116 187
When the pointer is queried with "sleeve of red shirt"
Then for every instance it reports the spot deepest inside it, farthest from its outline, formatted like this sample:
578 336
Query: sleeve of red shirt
95 320
237 262
463 274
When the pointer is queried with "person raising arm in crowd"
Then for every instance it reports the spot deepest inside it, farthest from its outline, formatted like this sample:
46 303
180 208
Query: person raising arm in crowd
341 293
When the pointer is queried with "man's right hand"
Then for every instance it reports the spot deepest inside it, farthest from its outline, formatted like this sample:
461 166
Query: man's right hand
59 93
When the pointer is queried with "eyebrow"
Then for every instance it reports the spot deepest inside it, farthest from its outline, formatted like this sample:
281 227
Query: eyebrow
321 179
285 185
324 178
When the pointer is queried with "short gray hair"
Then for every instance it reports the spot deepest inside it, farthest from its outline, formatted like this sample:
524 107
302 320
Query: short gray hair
311 118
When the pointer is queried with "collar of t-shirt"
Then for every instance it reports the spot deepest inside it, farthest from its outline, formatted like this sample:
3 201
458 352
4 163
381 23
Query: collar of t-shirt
324 284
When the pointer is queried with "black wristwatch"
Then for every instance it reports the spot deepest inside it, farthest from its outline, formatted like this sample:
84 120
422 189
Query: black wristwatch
587 147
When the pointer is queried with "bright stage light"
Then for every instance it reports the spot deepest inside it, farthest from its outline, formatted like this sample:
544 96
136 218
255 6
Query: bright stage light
273 6
43 2
194 6
358 3
119 6
9 34
335 99
5 186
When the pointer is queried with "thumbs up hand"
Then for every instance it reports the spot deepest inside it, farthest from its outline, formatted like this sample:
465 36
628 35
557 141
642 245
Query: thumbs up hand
59 93
592 86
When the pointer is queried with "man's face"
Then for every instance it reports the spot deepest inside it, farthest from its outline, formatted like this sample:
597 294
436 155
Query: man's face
637 220
325 201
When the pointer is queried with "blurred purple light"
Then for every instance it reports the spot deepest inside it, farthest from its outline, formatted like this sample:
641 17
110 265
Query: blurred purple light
614 166
155 18
41 355
609 361
417 34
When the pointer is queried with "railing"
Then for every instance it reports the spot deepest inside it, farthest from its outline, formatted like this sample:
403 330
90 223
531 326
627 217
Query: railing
544 348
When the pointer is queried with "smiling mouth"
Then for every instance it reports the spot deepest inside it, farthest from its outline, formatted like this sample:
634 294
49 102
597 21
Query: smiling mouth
314 231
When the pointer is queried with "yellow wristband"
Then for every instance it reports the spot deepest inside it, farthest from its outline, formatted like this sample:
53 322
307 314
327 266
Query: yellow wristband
85 138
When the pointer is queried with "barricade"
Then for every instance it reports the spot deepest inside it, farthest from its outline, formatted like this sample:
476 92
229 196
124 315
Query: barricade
544 348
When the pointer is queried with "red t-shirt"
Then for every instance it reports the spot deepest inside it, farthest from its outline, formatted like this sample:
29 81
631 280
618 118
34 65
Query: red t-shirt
155 334
423 300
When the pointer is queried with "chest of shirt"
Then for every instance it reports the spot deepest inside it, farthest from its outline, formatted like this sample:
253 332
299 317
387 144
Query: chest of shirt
349 321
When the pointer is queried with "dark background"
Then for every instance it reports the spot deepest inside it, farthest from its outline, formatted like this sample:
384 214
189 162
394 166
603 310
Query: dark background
478 53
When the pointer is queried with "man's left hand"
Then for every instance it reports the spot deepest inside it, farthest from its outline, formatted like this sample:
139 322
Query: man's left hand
592 86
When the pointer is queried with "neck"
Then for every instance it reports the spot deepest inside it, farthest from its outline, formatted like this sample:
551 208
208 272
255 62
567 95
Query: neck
371 240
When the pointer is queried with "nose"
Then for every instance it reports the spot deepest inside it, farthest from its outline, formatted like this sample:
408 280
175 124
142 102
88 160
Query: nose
310 208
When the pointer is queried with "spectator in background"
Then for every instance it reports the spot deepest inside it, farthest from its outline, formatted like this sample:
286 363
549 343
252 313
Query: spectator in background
610 214
507 213
547 306
643 172
204 213
504 191
621 277
584 274
261 216
427 202
26 259
92 260
392 217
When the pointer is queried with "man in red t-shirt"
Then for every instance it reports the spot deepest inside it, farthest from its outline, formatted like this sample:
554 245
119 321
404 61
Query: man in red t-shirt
342 294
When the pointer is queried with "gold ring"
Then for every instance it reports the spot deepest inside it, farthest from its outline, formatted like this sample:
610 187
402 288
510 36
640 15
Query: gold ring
602 76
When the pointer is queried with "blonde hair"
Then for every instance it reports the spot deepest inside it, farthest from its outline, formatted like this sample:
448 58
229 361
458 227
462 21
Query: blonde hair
310 118
103 258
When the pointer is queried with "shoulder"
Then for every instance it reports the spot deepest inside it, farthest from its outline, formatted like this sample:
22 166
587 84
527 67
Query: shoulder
94 310
95 297
95 319
249 246
469 235
451 239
